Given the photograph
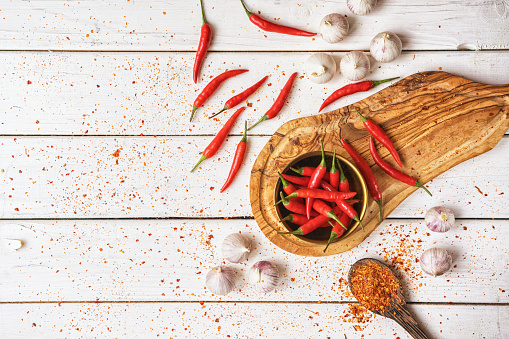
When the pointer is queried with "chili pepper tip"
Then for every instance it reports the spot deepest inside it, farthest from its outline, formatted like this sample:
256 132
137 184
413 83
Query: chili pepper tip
418 184
333 236
221 111
199 162
379 202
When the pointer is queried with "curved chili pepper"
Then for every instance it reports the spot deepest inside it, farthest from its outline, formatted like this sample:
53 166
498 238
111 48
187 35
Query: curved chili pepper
380 135
307 171
344 185
279 103
288 187
237 159
292 205
311 225
205 36
334 174
396 174
295 218
218 140
315 178
362 86
373 188
303 181
327 195
343 204
234 101
272 27
337 230
212 87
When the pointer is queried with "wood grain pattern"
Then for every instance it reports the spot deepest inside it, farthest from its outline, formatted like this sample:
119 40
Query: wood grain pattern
436 121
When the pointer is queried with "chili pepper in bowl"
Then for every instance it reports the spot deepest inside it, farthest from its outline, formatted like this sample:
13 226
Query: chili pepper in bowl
303 181
362 86
321 194
380 135
396 174
337 229
205 37
334 173
237 99
294 206
307 171
218 140
373 188
212 87
344 185
315 178
343 204
272 27
237 159
295 218
311 225
279 103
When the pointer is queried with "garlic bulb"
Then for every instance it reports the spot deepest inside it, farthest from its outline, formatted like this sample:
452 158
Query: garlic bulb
320 68
221 280
236 248
354 65
439 219
333 28
360 7
435 261
385 47
264 276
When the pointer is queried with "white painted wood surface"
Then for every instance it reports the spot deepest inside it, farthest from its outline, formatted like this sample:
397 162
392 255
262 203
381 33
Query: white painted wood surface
99 130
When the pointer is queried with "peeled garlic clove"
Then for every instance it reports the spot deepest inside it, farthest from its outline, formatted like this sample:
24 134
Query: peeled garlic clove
439 219
264 276
220 280
236 248
320 68
355 65
12 244
435 261
333 28
361 7
385 47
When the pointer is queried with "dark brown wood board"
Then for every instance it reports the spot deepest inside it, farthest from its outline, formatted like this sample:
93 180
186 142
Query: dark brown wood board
436 120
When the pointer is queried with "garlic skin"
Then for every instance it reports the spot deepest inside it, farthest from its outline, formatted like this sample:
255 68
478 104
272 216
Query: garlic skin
264 276
221 280
439 219
320 68
333 28
435 261
385 47
236 248
355 65
361 7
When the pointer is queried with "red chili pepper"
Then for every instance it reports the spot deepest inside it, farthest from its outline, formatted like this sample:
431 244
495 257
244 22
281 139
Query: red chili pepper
311 225
373 188
272 27
343 204
218 140
307 171
324 209
344 185
292 205
338 230
315 178
321 194
303 181
380 135
212 87
288 187
352 88
279 103
396 174
334 174
300 219
234 101
237 159
206 35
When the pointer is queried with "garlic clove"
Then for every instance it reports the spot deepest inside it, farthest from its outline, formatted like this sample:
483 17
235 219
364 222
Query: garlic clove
439 219
385 47
320 67
236 248
221 280
333 28
361 7
264 276
355 65
435 261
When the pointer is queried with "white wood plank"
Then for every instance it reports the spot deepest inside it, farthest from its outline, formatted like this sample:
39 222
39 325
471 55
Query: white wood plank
167 260
133 177
175 25
241 321
152 93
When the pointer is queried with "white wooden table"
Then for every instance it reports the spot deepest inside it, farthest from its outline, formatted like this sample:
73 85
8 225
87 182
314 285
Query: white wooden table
96 147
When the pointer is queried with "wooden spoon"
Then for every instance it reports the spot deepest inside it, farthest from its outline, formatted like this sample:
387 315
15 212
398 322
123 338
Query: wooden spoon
396 310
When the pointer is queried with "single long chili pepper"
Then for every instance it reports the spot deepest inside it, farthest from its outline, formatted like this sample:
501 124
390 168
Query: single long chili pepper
205 36
292 205
334 173
279 103
272 27
362 86
234 101
303 181
307 171
237 159
337 230
344 185
396 174
324 209
310 226
218 140
288 187
373 188
315 178
326 195
295 218
343 204
380 135
212 87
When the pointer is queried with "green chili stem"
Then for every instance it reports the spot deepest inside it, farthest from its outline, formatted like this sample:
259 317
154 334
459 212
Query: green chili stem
418 184
221 111
199 162
202 13
247 12
376 83
379 202
333 236
265 117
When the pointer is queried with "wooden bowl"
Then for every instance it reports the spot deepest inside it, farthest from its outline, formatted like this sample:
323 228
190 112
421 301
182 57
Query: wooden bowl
357 184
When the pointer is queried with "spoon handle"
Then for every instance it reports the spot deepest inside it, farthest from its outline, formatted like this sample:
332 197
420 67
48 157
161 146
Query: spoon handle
402 316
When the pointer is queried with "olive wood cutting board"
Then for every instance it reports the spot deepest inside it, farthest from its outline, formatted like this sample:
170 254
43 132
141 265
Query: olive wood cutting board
436 120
